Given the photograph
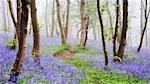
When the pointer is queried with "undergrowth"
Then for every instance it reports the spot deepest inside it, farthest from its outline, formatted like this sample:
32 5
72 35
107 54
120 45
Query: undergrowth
95 76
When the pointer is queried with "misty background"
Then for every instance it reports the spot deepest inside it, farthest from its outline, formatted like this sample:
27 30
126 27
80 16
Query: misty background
44 13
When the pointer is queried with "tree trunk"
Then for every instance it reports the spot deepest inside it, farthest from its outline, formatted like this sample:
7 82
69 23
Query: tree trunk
84 23
12 12
36 33
18 19
60 23
14 22
102 32
116 28
22 42
124 29
147 13
67 18
53 18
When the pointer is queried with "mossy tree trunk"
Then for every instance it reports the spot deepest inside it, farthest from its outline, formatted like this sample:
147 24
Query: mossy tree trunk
36 32
22 39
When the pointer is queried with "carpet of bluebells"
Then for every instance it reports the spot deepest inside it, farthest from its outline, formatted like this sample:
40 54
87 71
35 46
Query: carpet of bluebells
134 64
56 71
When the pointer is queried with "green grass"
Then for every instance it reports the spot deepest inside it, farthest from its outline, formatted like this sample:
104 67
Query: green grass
94 76
84 50
53 49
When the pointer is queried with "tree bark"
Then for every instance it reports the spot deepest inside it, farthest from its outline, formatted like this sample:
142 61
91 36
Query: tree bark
124 29
53 18
147 13
14 22
67 18
18 19
84 23
60 23
36 33
22 42
116 28
12 12
102 32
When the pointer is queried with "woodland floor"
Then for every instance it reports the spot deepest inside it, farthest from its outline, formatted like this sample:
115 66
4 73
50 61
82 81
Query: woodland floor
66 54
71 64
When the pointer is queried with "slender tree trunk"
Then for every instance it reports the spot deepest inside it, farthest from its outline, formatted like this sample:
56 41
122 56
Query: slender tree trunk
22 42
67 18
124 29
14 22
53 18
12 12
84 23
102 32
60 23
147 13
116 28
36 33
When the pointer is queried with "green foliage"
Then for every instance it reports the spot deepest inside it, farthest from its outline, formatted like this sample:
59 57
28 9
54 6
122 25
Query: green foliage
24 80
61 48
11 42
94 76
108 33
54 49
33 53
103 8
82 50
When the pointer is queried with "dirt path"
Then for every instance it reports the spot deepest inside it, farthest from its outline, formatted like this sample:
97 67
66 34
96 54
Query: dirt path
67 54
